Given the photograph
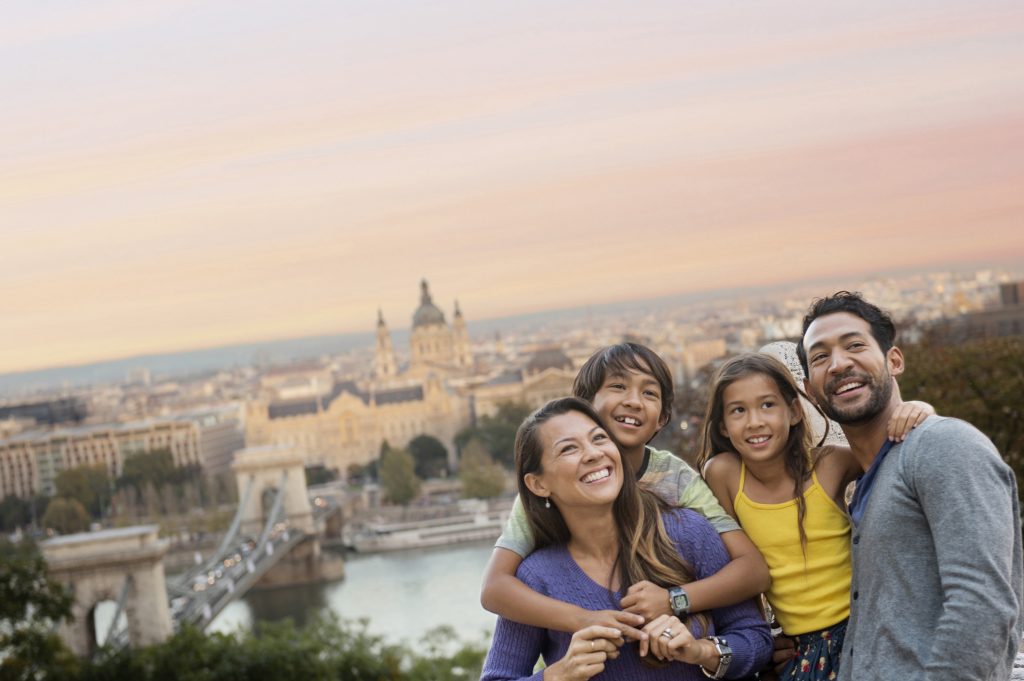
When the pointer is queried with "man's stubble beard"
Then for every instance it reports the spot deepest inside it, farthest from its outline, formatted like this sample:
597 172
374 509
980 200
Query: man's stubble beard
880 396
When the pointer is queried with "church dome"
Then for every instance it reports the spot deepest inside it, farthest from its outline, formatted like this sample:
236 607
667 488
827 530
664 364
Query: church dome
427 314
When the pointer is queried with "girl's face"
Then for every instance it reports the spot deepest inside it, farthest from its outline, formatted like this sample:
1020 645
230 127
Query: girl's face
581 466
756 418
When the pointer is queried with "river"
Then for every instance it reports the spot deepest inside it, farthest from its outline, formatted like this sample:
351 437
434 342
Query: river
402 594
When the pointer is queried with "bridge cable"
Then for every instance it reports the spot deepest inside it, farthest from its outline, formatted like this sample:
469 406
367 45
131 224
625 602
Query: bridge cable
109 638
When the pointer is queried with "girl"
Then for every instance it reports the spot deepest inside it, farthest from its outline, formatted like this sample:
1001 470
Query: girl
597 533
757 457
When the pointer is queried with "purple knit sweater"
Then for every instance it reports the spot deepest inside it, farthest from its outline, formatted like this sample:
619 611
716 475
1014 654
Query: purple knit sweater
552 572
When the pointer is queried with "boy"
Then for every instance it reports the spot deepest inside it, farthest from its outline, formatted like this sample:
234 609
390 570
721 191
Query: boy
631 388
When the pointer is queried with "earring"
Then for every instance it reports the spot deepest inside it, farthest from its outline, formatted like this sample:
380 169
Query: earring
547 502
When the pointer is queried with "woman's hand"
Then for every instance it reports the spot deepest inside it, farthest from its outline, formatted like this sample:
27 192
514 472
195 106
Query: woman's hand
587 653
671 640
646 599
625 622
908 416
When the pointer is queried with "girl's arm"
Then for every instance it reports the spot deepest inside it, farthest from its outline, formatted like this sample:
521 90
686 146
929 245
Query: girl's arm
504 594
908 416
835 466
744 577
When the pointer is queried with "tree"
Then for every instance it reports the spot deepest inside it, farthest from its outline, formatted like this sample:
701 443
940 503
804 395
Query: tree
29 605
978 381
67 516
481 477
156 467
430 456
89 485
326 649
319 474
14 513
398 476
498 432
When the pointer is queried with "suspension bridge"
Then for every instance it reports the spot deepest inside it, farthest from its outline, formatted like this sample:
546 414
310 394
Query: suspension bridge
274 530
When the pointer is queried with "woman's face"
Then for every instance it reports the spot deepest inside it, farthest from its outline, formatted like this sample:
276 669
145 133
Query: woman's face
581 465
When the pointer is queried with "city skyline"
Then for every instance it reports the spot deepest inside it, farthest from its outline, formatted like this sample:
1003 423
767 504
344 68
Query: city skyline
182 176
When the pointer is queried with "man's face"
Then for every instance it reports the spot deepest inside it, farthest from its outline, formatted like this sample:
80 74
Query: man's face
848 375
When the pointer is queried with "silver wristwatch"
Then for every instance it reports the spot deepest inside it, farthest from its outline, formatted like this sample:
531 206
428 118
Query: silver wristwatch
724 658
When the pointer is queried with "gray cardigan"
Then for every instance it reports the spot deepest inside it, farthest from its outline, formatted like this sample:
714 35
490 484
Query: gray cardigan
938 585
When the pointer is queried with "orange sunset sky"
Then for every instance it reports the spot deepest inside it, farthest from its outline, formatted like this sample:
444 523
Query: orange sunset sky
190 174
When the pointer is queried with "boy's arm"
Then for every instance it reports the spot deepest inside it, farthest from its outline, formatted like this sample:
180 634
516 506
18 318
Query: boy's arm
503 594
744 577
746 574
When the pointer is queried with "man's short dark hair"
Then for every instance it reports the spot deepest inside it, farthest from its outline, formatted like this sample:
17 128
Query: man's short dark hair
882 328
618 359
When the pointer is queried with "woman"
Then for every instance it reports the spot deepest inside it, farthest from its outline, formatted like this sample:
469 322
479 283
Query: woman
597 534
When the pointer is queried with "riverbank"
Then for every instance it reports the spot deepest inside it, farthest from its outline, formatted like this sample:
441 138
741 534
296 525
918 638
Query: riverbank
441 586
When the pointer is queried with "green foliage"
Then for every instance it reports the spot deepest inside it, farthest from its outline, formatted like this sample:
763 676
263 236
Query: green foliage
498 432
358 474
430 456
481 477
67 516
156 467
980 382
319 475
14 513
29 603
326 650
436 662
398 476
89 485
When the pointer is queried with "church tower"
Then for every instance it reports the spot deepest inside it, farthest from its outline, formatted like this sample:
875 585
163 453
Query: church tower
431 337
463 354
384 365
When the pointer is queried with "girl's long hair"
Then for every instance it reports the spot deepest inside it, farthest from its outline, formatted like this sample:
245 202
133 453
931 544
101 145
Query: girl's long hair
797 453
645 551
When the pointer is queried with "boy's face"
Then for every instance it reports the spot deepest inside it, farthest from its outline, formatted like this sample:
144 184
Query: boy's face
629 404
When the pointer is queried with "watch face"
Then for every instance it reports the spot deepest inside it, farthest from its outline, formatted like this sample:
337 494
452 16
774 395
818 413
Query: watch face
680 599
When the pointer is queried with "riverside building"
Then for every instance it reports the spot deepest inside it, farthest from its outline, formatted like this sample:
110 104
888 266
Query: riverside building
30 461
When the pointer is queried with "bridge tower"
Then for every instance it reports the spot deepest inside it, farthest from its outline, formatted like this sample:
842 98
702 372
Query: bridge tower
123 565
267 468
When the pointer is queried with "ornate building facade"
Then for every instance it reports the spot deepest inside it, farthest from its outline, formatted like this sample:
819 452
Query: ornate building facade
347 421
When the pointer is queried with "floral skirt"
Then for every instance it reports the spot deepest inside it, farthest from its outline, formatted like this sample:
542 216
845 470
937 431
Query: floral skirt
817 655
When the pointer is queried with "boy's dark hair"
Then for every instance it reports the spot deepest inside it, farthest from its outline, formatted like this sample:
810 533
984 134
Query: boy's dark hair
882 328
620 359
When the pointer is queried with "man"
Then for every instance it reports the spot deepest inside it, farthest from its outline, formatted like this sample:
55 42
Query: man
938 584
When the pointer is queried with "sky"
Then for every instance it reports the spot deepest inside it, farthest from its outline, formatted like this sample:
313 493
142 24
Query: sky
187 174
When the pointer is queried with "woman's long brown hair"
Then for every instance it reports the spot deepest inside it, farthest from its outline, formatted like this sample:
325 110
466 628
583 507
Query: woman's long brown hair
645 551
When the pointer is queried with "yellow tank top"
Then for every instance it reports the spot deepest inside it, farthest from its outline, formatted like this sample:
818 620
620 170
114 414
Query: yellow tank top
811 596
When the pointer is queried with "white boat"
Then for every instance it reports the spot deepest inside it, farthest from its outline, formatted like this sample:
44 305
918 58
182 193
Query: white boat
435 532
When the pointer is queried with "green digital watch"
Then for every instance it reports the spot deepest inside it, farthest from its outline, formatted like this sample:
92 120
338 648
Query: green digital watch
679 601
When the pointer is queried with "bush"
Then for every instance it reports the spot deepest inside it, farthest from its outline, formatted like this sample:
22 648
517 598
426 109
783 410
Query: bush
326 650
